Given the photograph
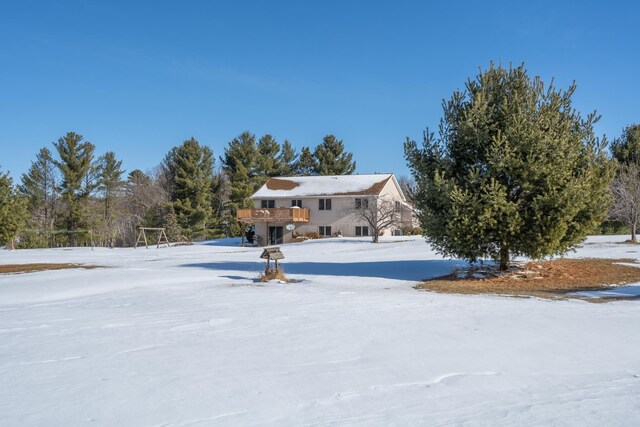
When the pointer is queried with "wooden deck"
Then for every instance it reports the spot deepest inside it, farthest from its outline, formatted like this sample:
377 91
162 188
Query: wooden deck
273 215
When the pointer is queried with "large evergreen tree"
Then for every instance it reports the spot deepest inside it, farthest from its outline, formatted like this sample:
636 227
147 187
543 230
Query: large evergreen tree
13 211
331 159
307 164
239 164
75 164
288 160
516 170
268 160
191 166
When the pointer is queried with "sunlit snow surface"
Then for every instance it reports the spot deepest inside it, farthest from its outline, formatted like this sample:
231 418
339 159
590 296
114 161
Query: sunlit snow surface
183 336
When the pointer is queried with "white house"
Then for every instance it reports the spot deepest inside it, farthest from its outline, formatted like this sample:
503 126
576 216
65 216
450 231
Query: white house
288 207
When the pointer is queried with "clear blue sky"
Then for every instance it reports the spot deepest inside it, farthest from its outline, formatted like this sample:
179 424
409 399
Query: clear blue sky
140 77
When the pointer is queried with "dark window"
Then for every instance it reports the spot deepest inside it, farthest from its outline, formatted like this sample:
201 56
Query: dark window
362 203
362 230
297 203
324 204
324 230
398 206
264 204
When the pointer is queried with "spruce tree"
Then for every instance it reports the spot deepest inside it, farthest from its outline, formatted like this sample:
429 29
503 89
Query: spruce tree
331 159
191 166
515 171
75 164
13 211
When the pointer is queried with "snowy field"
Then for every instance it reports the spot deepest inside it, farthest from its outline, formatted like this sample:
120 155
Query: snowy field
183 336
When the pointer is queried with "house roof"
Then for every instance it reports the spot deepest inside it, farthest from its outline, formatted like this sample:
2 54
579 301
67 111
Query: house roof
330 185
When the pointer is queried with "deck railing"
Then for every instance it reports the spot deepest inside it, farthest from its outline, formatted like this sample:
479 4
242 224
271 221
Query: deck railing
273 215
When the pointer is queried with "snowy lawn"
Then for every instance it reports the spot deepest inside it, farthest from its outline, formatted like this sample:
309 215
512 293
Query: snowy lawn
183 336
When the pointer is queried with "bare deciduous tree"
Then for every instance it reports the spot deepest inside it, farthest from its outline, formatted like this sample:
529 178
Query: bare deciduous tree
378 212
626 197
408 186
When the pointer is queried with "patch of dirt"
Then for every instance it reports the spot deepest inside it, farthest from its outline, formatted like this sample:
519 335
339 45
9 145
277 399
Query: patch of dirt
546 279
30 268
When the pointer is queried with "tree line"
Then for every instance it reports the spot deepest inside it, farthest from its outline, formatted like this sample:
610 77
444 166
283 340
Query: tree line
70 197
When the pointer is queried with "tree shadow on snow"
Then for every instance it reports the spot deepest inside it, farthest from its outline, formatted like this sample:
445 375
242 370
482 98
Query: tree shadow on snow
400 270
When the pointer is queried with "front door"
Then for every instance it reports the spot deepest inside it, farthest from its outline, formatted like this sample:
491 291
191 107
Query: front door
275 235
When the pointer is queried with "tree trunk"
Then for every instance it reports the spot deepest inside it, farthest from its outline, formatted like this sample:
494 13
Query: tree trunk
13 246
504 258
375 235
634 239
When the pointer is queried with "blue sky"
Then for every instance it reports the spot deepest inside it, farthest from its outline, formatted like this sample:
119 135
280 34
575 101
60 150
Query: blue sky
140 77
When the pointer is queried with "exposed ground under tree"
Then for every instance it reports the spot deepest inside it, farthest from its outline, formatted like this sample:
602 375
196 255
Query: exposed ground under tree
547 279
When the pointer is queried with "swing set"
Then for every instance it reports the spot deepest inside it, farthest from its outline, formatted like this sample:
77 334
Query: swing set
143 237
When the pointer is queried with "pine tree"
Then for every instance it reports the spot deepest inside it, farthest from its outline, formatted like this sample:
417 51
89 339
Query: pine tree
39 188
191 166
626 149
268 160
516 170
307 164
288 159
239 164
136 177
75 164
13 211
110 185
331 159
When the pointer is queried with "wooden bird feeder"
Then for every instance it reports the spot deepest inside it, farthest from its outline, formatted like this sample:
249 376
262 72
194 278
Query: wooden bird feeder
272 254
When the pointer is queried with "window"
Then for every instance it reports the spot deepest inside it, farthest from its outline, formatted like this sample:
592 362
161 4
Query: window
265 204
324 204
398 207
324 230
362 203
362 230
297 203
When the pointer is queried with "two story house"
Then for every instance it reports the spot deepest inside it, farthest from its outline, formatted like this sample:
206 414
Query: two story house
287 207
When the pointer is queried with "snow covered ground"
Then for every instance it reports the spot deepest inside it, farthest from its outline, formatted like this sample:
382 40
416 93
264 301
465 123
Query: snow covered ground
183 336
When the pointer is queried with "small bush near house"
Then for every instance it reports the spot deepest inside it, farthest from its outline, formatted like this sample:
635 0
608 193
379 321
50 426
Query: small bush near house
312 235
411 231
